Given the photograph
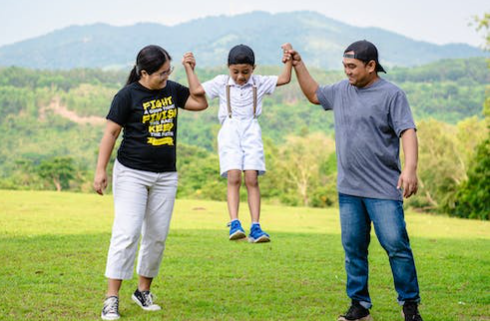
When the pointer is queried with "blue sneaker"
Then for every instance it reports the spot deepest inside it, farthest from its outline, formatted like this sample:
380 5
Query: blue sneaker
257 235
236 230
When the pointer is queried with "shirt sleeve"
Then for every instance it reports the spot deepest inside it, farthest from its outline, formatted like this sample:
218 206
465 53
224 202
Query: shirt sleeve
400 113
212 87
182 94
326 96
267 84
120 109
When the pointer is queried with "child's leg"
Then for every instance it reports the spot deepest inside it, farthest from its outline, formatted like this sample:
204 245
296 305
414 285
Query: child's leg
252 184
234 183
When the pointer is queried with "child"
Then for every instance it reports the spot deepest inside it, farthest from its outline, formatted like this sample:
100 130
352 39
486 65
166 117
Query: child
239 140
144 176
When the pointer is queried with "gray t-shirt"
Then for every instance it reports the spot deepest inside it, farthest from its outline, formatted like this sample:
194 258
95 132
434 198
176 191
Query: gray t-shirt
368 125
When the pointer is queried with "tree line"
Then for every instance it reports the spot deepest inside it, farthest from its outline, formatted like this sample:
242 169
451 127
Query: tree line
42 149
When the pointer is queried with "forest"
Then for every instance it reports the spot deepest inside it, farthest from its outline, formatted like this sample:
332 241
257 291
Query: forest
52 122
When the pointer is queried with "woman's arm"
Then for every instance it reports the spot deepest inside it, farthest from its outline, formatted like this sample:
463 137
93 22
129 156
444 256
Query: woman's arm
111 133
197 100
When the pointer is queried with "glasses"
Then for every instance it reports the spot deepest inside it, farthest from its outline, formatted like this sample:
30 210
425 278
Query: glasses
167 72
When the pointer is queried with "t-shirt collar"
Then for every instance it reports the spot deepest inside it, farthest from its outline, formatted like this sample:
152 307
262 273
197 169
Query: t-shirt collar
250 82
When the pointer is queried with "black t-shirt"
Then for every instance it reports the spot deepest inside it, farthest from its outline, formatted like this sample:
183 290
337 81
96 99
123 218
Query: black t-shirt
149 119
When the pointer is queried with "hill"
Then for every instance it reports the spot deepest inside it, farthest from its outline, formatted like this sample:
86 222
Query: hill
320 39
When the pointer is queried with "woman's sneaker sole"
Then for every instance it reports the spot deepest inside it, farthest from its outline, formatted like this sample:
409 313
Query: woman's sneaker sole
103 317
153 307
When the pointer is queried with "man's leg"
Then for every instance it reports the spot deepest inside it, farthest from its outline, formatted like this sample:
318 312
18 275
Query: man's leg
356 227
389 224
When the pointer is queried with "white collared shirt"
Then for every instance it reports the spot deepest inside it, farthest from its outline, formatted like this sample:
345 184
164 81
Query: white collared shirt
241 96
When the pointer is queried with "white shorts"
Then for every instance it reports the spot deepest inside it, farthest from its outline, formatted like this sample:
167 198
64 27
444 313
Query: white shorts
240 146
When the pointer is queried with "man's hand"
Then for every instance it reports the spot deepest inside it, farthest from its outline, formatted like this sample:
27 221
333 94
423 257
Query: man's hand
408 183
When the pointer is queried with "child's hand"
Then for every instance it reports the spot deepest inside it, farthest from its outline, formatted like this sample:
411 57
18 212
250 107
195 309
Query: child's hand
286 50
189 60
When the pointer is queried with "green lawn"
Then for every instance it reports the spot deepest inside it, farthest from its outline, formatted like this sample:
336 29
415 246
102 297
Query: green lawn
53 248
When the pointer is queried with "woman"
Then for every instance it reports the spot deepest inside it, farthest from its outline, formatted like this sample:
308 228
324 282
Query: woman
144 176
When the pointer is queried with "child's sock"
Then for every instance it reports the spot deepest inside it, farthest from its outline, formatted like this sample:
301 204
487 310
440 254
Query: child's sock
254 223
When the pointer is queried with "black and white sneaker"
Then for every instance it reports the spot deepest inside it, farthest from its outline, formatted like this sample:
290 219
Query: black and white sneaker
356 312
410 312
110 311
145 300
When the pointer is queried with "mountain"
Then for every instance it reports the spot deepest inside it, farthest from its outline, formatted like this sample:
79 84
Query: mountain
319 39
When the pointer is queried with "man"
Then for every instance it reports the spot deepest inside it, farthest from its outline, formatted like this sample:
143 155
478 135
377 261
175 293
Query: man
371 114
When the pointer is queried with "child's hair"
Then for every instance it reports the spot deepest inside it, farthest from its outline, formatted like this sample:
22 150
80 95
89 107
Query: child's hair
150 58
241 54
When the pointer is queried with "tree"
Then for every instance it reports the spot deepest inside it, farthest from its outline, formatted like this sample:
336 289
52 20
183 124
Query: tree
473 196
58 170
300 160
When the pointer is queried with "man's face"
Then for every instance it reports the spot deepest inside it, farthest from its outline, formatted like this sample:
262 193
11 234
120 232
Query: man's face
241 73
360 74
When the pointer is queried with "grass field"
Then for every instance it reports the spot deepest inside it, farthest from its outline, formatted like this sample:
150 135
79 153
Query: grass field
53 248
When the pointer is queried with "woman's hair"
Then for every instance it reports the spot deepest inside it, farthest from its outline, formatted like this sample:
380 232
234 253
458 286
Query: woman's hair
150 58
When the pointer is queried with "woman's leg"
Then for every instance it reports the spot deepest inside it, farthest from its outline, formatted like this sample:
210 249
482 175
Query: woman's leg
113 287
130 198
155 227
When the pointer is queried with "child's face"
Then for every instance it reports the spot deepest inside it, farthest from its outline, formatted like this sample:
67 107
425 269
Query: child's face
241 73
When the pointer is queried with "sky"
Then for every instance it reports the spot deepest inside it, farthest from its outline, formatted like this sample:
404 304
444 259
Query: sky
435 21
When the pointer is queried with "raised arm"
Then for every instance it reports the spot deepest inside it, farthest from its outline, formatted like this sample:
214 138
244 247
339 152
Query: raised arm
285 77
111 133
197 100
308 85
408 176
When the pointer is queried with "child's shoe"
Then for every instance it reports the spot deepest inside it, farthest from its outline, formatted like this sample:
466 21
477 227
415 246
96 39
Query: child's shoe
236 230
257 235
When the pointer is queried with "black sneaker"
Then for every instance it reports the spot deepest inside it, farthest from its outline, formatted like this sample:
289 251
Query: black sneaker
411 312
356 312
110 311
145 300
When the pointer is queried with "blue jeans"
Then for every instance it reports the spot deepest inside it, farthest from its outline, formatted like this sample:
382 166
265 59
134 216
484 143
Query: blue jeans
356 215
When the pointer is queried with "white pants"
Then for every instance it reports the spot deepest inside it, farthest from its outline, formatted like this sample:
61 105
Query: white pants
240 146
143 204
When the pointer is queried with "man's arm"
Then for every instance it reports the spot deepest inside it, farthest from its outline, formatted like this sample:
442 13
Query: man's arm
308 85
408 177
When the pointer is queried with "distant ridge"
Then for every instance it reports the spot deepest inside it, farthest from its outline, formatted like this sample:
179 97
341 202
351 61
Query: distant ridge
320 39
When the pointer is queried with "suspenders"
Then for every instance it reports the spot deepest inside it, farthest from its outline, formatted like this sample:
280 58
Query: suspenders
254 88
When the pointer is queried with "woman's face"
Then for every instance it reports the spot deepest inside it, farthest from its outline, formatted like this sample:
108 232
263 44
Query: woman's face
158 79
